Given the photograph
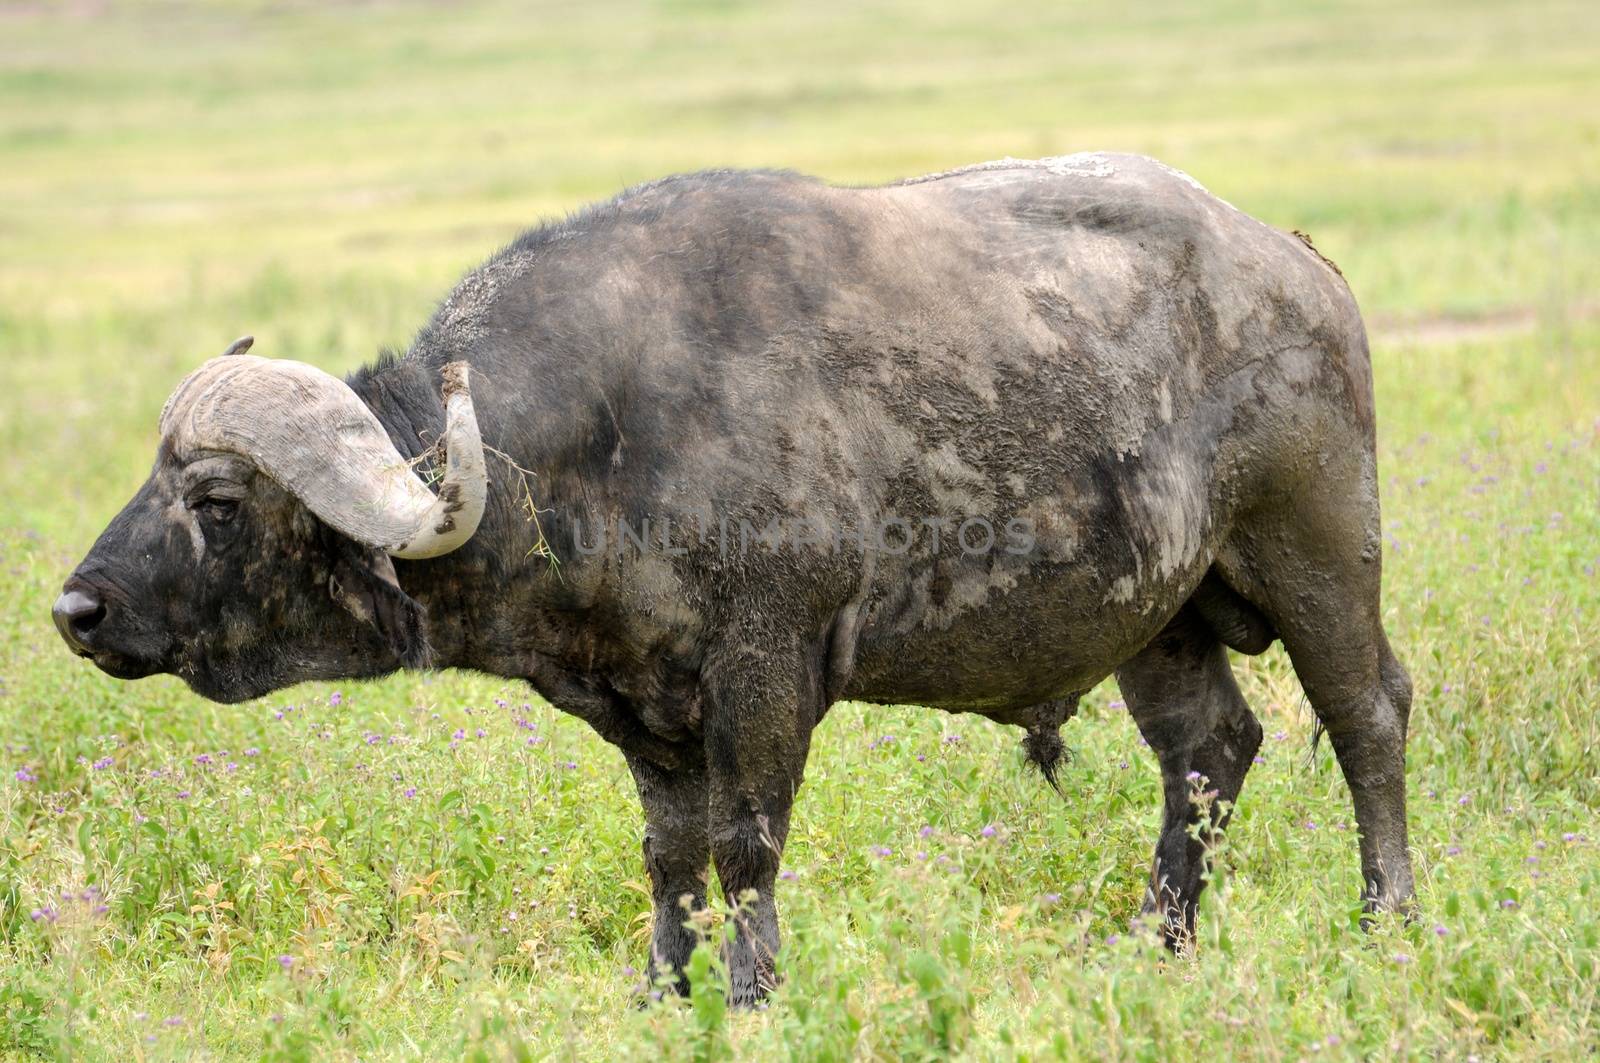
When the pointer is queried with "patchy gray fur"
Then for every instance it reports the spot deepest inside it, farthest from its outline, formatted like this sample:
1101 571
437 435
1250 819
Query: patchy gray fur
1173 399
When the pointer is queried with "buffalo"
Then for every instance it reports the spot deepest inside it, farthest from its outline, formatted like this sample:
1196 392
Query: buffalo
700 461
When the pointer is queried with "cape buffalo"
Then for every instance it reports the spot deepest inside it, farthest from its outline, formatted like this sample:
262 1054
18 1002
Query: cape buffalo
753 444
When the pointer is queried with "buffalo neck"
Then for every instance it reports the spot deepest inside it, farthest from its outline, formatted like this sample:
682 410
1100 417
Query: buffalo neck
484 599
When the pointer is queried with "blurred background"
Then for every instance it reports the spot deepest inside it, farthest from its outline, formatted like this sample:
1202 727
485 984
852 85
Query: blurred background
173 175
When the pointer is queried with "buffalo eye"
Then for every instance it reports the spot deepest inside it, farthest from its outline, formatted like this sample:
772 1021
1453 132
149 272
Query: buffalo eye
216 509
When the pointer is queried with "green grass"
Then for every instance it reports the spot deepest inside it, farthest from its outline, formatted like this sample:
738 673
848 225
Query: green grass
173 175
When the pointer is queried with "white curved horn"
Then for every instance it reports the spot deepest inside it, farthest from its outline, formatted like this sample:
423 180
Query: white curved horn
454 515
312 434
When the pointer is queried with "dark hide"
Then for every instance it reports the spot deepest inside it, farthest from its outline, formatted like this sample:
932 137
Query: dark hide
1148 398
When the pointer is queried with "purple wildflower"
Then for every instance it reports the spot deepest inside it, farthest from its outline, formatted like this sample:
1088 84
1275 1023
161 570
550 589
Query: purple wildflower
989 831
458 734
882 850
286 961
787 875
335 698
103 763
24 775
252 752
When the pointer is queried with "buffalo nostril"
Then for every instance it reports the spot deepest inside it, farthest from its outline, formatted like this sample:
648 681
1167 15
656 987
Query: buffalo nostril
77 612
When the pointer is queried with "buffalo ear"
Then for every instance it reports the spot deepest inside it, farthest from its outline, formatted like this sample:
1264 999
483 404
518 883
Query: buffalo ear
364 584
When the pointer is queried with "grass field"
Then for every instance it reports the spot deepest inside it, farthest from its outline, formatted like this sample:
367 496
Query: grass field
441 867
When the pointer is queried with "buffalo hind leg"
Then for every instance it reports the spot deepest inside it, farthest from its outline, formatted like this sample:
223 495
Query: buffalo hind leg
677 854
762 701
1312 564
1182 695
1362 697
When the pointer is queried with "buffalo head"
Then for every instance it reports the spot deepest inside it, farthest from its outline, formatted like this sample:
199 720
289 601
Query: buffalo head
257 554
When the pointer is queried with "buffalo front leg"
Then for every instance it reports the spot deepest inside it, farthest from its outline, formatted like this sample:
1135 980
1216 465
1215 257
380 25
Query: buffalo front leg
1182 695
761 704
677 853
